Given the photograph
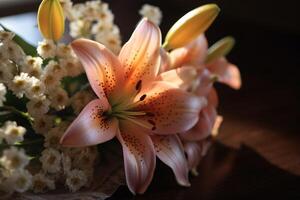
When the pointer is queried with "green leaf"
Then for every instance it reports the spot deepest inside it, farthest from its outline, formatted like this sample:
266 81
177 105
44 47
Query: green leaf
27 48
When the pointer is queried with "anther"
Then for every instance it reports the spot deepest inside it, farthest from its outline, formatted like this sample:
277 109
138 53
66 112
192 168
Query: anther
142 98
138 86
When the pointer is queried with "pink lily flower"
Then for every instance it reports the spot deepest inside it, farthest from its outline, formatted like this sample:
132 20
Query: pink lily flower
194 75
134 106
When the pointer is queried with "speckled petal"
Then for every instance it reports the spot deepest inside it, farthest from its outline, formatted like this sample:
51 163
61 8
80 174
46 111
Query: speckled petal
139 156
140 56
169 149
169 109
90 127
102 67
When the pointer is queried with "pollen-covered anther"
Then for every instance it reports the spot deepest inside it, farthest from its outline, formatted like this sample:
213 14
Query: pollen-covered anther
143 97
138 86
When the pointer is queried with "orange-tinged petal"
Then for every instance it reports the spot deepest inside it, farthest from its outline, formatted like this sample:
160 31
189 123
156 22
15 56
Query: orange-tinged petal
192 54
183 77
90 127
169 109
140 56
165 64
204 126
228 73
51 20
169 150
102 67
139 156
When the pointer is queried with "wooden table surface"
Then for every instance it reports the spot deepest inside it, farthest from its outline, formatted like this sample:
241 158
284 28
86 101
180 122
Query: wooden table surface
257 153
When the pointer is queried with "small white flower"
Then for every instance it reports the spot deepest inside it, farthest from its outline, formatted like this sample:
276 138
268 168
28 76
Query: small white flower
2 93
51 160
16 53
19 84
38 107
46 49
13 133
7 71
80 28
64 51
35 89
72 66
6 36
67 7
76 179
78 11
66 163
42 124
52 138
111 39
41 183
21 180
55 68
14 159
86 158
32 66
50 80
59 98
4 55
153 13
80 100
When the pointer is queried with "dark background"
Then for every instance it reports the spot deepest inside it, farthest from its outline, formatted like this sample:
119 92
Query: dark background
257 154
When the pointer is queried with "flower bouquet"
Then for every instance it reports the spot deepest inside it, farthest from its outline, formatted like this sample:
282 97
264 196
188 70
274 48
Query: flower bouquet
70 112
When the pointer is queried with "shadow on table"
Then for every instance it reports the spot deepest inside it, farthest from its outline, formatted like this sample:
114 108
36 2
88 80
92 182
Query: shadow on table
224 173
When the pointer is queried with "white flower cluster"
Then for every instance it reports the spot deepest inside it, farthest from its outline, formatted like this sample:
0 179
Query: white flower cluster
13 175
153 13
93 20
73 166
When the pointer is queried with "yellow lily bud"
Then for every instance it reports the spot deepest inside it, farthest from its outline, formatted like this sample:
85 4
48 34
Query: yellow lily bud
190 26
220 48
51 20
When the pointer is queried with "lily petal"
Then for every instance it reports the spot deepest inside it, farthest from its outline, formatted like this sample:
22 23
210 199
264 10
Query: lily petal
228 73
213 97
182 77
140 56
90 127
169 150
204 126
169 109
194 53
139 156
204 82
194 154
165 64
102 67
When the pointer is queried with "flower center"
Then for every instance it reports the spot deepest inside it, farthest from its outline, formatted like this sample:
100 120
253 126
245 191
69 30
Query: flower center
128 109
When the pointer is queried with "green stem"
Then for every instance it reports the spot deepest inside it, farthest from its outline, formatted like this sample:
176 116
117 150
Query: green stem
21 144
18 112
